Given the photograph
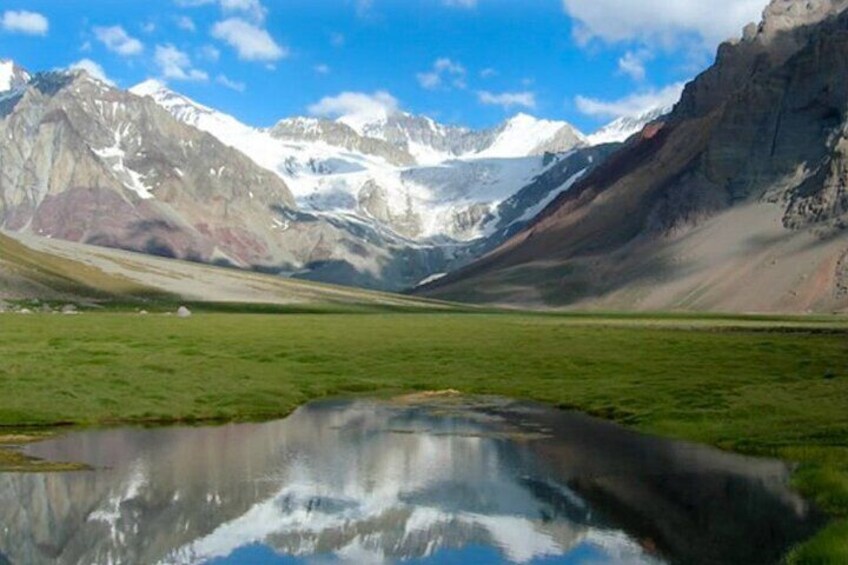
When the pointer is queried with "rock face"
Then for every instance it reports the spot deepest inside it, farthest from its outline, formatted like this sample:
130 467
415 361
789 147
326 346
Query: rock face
338 134
735 201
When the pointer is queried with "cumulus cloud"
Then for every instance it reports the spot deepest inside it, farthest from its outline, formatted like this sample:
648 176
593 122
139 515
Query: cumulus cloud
508 100
356 104
662 21
253 9
443 70
93 69
23 21
460 3
252 43
223 80
632 64
322 69
175 64
634 105
117 40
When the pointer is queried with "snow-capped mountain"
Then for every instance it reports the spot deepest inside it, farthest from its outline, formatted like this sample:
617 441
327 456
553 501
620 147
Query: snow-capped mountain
12 76
623 128
423 180
153 171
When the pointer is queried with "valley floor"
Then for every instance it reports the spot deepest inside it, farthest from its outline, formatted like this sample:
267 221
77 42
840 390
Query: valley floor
767 386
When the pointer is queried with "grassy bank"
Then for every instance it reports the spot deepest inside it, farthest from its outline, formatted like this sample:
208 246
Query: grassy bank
770 387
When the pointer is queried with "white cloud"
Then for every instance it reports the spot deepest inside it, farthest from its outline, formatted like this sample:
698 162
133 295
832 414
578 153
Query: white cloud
185 23
662 21
443 68
430 81
337 39
633 105
460 3
23 21
322 69
253 9
117 40
356 104
210 53
252 43
488 73
446 65
148 27
93 69
508 99
632 64
175 64
231 84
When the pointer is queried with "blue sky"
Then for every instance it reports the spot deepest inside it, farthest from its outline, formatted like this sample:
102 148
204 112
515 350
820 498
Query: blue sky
468 62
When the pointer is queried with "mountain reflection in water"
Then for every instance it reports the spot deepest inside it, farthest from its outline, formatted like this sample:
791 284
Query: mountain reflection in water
365 482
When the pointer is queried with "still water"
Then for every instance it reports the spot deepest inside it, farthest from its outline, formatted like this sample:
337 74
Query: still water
470 481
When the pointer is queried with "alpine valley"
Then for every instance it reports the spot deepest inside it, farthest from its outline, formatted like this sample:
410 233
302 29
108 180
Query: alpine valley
385 201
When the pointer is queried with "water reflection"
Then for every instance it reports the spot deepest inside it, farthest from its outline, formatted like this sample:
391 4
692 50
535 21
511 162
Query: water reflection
369 482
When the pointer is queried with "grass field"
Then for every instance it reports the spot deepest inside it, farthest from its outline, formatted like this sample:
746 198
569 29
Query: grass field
766 386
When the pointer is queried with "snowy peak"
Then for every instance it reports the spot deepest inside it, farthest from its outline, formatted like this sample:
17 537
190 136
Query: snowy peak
430 142
181 107
12 76
150 87
623 128
524 135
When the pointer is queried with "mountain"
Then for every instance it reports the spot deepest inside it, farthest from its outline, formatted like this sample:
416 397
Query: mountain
408 174
151 170
95 164
436 186
12 77
735 201
623 128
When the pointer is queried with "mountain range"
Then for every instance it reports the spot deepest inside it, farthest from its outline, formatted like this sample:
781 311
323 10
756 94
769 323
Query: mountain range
735 201
384 202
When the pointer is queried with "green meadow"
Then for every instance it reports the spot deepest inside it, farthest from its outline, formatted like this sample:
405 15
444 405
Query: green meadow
758 385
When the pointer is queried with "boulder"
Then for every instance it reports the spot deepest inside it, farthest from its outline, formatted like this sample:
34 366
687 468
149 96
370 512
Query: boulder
184 312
